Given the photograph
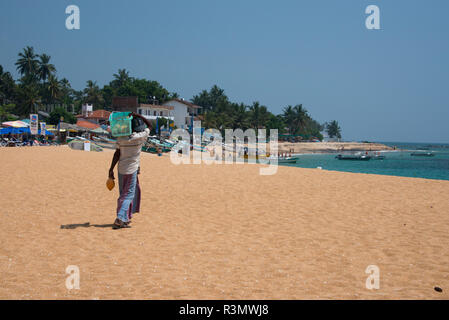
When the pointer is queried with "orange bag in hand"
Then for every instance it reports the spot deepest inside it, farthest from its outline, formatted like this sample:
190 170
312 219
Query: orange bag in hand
110 184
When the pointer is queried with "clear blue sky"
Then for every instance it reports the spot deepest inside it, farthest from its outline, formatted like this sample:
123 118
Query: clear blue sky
385 85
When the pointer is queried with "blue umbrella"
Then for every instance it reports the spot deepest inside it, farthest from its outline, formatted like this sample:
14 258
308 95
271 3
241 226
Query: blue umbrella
12 130
6 130
18 130
27 130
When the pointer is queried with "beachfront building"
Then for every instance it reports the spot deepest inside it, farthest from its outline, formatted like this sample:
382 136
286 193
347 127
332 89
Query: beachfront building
183 112
180 111
87 108
125 104
153 111
97 116
48 108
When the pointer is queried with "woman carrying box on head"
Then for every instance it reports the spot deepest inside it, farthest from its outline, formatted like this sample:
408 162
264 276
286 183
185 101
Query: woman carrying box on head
127 154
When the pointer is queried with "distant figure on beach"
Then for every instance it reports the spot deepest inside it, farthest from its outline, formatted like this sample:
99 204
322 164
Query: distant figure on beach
127 154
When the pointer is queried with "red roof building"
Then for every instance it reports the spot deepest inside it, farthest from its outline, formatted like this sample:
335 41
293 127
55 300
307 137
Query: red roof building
87 124
96 116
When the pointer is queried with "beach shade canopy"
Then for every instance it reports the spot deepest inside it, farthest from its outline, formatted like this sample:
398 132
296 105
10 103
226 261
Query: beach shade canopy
12 130
71 127
21 131
5 130
15 124
99 130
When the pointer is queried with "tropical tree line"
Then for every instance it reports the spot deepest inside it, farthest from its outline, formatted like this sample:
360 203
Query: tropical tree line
39 85
219 112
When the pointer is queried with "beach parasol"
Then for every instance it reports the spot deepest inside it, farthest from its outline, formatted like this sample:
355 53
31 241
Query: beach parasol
13 130
15 124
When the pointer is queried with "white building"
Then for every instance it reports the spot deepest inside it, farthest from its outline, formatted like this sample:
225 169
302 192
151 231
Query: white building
87 109
183 111
152 111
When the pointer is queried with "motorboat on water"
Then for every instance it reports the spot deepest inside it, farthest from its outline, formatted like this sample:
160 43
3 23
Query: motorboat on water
291 159
355 157
422 154
377 156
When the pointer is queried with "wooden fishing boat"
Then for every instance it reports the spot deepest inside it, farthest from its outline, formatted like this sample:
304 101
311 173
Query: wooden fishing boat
422 154
292 159
353 157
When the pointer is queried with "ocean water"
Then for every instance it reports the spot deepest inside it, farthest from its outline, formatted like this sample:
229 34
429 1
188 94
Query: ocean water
396 163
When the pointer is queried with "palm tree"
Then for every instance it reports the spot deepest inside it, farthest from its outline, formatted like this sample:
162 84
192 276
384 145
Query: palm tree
30 99
289 118
121 77
27 63
93 94
45 68
210 120
254 114
333 129
301 117
53 87
241 115
66 91
7 86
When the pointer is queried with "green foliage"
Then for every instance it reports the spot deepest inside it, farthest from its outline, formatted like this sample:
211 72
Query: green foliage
333 129
93 94
298 121
45 69
59 112
28 98
6 112
123 85
39 85
220 113
211 100
7 87
27 64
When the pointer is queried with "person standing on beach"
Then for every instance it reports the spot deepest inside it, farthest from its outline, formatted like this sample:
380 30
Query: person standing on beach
127 154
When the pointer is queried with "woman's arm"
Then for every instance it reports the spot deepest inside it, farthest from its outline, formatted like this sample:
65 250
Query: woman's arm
115 159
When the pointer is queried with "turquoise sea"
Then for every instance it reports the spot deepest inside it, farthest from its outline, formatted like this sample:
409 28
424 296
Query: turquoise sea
397 163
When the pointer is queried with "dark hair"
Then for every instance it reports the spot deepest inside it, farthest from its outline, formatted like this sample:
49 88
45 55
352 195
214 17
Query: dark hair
137 124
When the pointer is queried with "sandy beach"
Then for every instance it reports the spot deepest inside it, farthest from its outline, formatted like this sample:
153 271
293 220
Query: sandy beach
217 232
330 147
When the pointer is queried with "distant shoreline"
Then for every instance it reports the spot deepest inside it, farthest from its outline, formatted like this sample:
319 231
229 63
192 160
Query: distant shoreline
331 147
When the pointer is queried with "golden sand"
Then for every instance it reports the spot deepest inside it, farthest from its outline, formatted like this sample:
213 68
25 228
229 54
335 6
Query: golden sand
320 147
217 232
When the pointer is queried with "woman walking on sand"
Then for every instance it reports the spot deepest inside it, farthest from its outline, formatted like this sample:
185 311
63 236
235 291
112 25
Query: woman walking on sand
127 154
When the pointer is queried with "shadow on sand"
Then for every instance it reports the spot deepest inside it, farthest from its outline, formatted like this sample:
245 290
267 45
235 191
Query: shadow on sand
85 225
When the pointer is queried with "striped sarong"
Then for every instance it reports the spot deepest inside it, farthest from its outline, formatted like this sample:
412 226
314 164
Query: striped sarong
129 200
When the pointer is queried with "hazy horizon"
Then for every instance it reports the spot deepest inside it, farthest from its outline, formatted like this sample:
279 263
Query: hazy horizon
381 85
